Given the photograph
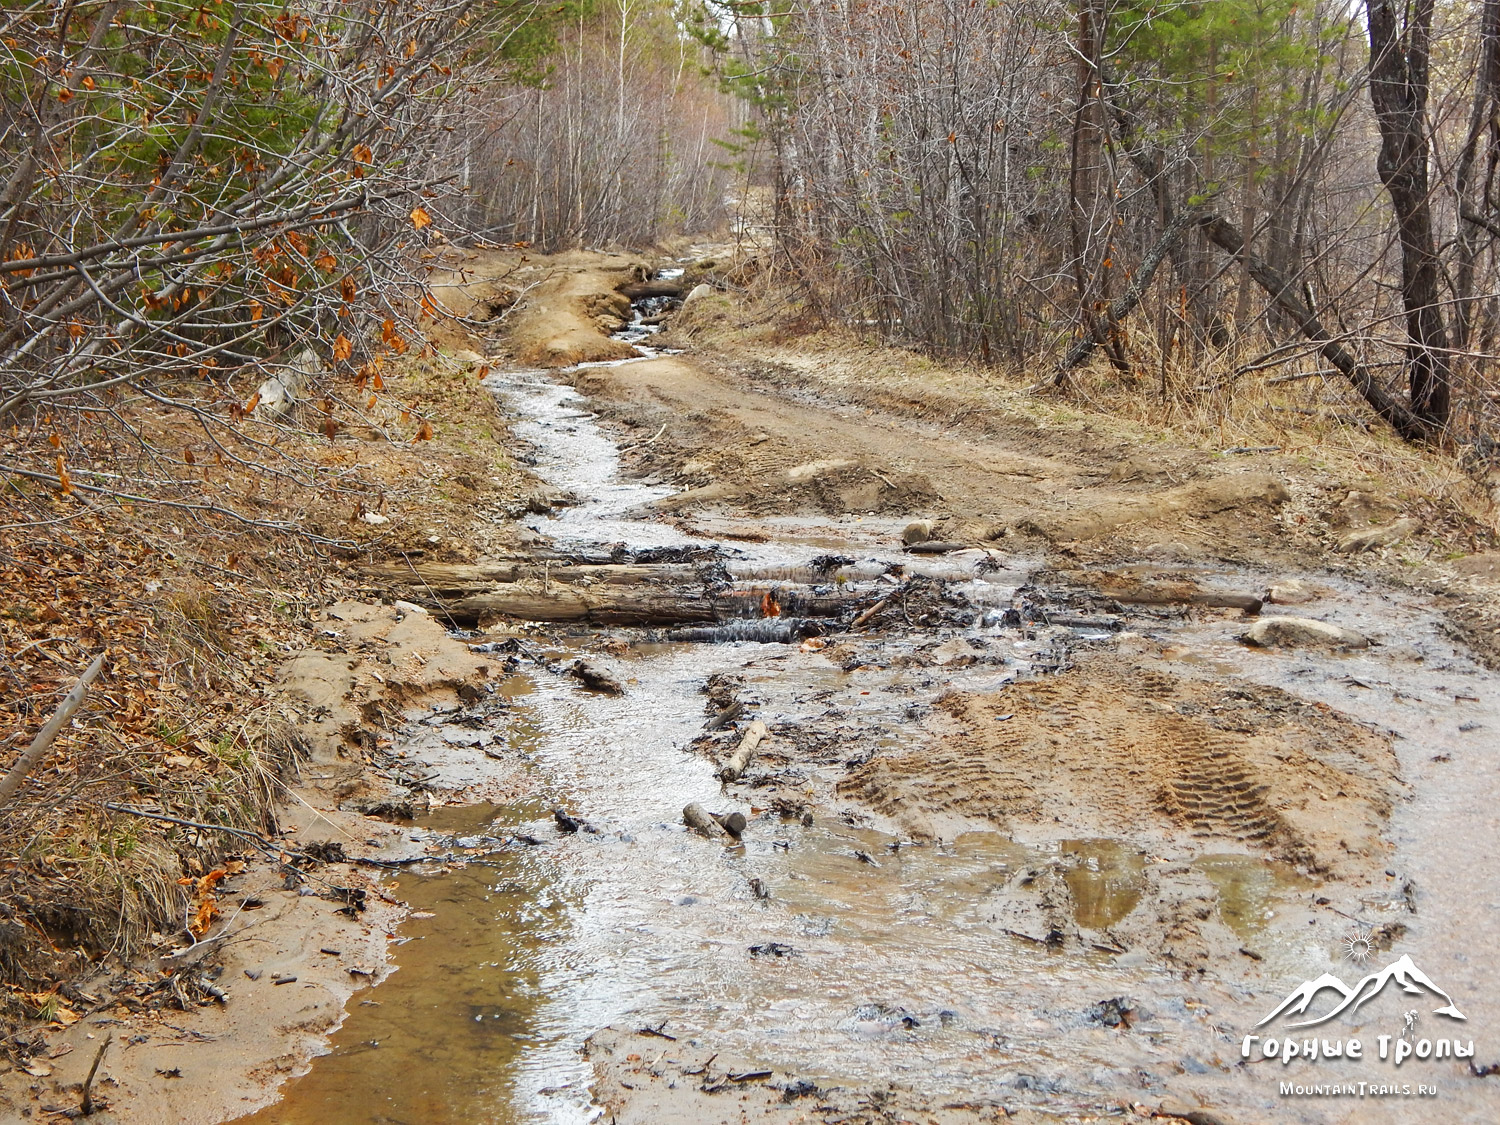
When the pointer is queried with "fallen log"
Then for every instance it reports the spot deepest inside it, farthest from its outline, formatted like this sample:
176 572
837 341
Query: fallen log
1079 621
696 817
608 606
640 290
934 547
1122 306
754 630
736 763
1171 595
454 578
734 823
726 716
1283 293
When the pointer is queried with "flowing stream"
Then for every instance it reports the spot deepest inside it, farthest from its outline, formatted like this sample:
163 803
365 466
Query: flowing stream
518 953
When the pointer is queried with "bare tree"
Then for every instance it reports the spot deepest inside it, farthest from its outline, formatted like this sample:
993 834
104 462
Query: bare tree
1400 49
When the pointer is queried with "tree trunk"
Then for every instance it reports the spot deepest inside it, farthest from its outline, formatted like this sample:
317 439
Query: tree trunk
1481 120
1090 233
1398 92
1283 291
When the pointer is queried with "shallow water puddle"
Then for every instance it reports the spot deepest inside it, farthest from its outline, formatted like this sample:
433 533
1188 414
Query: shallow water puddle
441 1039
1250 887
1106 883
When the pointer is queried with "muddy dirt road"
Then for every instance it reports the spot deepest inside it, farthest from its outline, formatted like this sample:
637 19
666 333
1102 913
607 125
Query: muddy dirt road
1077 760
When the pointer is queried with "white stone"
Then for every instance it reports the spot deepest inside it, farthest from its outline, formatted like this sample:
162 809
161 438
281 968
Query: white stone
1291 632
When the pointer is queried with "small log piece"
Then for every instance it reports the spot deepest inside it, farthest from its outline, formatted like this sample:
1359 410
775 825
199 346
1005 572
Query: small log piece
736 763
696 817
734 823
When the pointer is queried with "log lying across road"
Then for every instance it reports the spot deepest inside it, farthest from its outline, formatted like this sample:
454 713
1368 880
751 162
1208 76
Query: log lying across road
657 288
608 606
457 578
655 595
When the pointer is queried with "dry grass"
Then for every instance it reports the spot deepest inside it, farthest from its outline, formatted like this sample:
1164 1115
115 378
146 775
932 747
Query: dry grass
180 722
1318 427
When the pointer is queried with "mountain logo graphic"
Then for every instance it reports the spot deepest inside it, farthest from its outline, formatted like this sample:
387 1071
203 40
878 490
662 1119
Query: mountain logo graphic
1402 971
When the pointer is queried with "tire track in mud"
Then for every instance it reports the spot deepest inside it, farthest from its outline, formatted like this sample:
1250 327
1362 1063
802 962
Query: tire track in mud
1113 746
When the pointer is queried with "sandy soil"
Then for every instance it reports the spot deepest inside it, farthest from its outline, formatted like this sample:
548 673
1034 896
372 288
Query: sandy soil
1119 746
646 1080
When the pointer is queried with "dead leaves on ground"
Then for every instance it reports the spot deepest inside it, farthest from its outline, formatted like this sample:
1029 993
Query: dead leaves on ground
205 904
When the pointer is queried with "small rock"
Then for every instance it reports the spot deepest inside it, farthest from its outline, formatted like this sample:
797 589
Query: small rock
595 680
474 739
279 394
918 531
375 519
1291 592
772 949
1118 1011
956 651
1291 632
409 609
1372 537
697 293
566 823
468 358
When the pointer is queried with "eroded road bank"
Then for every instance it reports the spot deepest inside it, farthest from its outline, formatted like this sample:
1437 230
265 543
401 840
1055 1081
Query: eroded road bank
1014 845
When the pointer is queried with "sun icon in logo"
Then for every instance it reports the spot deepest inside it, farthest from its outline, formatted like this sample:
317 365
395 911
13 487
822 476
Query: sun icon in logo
1358 946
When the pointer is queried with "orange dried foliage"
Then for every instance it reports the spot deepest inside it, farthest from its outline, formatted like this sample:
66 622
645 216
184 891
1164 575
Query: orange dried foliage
205 900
